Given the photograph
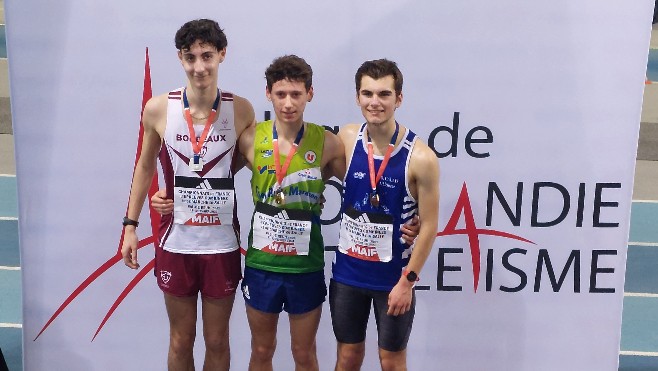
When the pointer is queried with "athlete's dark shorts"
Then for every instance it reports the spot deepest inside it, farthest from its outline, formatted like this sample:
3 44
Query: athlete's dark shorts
216 276
350 309
271 292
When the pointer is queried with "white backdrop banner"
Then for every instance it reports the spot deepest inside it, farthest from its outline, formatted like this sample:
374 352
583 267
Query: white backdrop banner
533 108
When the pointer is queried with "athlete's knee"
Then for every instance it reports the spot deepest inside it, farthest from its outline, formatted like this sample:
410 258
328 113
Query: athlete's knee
182 342
393 361
263 351
305 356
216 341
350 357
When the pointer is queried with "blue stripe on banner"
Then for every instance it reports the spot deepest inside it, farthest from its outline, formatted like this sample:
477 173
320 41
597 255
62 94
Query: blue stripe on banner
641 275
8 196
11 342
644 222
639 323
11 303
9 252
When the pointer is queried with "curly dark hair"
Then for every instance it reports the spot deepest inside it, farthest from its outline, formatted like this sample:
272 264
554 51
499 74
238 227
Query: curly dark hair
205 30
289 67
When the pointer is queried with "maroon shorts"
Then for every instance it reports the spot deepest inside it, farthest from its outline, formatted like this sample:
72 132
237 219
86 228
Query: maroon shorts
214 275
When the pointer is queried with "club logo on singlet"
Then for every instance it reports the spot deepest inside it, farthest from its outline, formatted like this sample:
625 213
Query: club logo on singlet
165 276
266 153
224 124
310 157
269 168
359 175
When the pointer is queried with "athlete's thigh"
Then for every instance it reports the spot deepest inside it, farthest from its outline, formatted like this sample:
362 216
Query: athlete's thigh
216 314
350 309
262 325
393 331
181 312
304 327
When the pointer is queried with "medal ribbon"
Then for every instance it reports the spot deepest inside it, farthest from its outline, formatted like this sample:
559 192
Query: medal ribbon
281 172
371 158
197 145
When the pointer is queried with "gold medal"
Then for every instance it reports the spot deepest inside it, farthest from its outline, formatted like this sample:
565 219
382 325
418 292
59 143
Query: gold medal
374 199
279 197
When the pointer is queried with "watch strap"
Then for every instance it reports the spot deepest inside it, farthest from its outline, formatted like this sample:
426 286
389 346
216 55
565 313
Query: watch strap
128 221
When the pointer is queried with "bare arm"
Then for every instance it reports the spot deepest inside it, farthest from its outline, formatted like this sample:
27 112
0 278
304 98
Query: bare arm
424 173
333 157
144 170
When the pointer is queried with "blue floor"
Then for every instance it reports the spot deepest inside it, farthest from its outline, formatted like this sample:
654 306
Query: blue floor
652 65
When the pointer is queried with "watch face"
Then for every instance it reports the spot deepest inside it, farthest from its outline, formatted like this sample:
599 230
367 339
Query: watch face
412 276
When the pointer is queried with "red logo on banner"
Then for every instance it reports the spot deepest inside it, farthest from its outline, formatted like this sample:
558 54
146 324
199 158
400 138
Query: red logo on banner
471 230
155 222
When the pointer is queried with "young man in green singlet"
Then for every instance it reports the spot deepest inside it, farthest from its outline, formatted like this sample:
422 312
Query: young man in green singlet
284 265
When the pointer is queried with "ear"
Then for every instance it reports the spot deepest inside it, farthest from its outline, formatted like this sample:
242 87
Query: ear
222 55
268 93
398 100
180 56
310 94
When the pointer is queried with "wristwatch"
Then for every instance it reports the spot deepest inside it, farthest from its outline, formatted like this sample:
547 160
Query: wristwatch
128 221
411 276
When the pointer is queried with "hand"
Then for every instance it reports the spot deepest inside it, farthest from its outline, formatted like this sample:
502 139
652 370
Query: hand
129 247
399 300
410 230
161 204
322 201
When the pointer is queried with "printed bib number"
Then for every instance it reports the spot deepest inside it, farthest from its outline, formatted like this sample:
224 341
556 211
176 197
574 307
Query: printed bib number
281 231
366 236
203 202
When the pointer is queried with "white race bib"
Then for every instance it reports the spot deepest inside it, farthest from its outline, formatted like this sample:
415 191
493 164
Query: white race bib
366 236
281 231
203 202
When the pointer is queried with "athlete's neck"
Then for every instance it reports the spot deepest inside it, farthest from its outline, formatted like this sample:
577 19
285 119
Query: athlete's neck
381 133
201 100
288 131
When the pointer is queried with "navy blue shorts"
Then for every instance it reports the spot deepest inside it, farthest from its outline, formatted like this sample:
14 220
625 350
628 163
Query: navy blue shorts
272 292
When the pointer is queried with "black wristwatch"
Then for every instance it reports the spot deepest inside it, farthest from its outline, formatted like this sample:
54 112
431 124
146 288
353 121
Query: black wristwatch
128 221
411 276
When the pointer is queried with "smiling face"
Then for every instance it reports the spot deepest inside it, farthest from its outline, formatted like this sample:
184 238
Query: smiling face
200 63
378 100
289 100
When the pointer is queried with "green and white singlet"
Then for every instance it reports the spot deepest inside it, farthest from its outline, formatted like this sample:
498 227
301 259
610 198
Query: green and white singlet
279 239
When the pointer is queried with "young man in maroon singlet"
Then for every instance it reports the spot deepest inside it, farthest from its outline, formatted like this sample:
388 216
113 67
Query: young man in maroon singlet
194 129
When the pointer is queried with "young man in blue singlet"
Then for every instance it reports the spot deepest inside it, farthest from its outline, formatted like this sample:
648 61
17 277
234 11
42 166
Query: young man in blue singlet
372 264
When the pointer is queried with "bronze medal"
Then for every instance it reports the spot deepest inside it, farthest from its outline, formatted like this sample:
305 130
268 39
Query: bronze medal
374 199
279 197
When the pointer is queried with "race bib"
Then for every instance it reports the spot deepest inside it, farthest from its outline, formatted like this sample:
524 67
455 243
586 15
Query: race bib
366 236
281 231
203 202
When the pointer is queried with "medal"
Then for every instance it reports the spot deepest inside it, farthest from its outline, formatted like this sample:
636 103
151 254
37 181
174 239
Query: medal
279 196
374 197
196 164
